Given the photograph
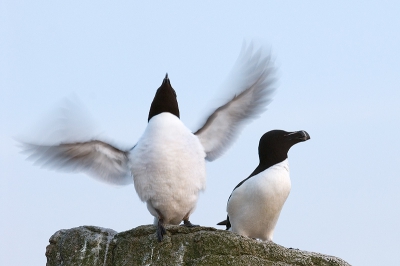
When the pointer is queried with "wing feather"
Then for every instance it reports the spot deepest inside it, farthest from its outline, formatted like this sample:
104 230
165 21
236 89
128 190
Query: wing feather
96 158
253 77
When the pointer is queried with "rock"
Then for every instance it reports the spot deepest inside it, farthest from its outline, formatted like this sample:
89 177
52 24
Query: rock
89 245
84 245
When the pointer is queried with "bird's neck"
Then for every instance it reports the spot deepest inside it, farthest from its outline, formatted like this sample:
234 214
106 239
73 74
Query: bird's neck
269 161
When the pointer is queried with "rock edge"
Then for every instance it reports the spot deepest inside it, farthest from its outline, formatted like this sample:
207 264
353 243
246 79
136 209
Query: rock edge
90 245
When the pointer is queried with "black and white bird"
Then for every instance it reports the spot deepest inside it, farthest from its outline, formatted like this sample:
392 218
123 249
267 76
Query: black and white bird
256 202
167 164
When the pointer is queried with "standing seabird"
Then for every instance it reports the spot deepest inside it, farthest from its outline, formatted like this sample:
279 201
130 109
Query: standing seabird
256 202
168 162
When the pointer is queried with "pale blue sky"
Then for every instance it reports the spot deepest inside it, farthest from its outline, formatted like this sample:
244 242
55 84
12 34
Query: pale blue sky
339 79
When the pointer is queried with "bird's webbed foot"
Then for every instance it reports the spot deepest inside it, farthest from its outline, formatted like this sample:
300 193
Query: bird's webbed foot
187 223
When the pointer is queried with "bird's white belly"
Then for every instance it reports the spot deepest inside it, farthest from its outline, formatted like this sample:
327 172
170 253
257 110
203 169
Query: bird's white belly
254 207
168 168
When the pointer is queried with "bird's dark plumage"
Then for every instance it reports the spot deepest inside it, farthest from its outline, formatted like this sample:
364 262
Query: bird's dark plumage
164 100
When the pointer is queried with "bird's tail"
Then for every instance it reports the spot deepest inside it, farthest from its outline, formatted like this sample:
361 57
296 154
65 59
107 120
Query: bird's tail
224 222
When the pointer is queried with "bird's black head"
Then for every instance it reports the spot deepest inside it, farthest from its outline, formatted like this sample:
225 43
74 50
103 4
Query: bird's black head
164 100
275 144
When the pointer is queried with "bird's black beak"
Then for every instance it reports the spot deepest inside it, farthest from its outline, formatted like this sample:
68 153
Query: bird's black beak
167 82
298 135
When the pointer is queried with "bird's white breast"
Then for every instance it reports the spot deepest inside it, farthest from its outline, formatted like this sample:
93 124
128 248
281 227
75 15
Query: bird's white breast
168 167
254 207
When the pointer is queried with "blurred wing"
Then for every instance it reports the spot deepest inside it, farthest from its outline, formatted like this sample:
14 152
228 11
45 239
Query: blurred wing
253 77
96 158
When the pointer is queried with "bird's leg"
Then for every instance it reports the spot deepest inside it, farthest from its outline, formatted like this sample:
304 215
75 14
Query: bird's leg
160 230
186 221
160 227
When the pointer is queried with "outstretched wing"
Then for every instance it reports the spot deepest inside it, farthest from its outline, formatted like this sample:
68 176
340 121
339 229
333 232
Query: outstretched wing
96 158
253 78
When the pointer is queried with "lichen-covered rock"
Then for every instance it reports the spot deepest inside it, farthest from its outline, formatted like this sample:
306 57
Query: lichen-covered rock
84 245
89 245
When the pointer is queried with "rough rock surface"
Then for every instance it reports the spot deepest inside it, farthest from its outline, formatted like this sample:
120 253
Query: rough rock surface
90 245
